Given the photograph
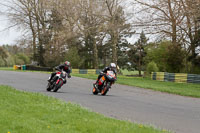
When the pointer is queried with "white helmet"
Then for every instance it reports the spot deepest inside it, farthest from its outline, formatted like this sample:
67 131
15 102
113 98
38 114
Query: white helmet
112 65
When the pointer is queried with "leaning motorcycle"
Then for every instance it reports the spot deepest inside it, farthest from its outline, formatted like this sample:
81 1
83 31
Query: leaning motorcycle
57 81
104 83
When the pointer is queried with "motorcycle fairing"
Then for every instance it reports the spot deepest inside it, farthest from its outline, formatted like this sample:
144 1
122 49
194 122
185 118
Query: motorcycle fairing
101 80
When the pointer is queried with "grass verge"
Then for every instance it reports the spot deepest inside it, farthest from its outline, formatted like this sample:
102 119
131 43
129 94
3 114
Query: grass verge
126 72
25 112
184 89
7 68
11 69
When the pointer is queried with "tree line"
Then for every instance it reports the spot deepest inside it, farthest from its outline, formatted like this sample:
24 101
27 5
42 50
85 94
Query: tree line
93 33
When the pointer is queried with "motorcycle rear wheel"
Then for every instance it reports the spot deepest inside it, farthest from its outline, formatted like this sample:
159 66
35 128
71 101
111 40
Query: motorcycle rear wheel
48 87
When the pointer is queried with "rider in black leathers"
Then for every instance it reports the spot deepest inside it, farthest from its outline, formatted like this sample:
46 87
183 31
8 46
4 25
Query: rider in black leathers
65 67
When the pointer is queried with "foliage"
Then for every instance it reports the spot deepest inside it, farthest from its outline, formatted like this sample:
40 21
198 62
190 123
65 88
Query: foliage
123 57
73 56
152 67
157 52
24 58
175 59
167 56
3 55
137 53
14 55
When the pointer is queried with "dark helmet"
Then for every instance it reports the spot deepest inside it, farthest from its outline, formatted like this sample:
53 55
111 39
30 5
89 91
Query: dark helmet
67 63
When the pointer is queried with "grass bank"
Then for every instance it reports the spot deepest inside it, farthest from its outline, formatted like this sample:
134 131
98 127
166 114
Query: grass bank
25 112
7 68
11 69
184 89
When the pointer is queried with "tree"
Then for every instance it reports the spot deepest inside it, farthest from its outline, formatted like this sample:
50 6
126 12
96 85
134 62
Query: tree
114 23
168 57
176 20
191 30
73 56
152 67
175 59
157 52
54 27
164 18
90 22
3 55
137 53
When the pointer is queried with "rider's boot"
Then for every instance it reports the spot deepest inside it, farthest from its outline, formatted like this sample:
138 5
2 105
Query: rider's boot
96 86
49 79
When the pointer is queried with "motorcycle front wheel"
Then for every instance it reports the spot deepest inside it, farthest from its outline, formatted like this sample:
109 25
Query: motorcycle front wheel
94 91
57 86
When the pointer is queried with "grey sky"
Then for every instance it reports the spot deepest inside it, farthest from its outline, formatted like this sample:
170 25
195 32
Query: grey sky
7 36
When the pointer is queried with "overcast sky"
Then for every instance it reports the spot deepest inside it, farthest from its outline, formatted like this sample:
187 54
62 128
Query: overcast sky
7 36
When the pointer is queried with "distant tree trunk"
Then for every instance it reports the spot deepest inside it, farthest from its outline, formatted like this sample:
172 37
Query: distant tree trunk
95 52
30 19
173 21
37 10
139 62
114 47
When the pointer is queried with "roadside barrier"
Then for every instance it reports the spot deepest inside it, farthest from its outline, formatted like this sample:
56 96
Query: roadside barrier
31 67
23 67
17 67
74 71
176 77
86 71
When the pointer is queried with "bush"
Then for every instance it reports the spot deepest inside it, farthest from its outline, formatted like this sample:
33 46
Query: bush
152 67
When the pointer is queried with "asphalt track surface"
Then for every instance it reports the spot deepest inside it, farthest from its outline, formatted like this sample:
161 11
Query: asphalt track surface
166 111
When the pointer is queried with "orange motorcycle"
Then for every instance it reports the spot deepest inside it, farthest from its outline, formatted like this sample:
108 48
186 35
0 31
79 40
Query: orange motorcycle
104 83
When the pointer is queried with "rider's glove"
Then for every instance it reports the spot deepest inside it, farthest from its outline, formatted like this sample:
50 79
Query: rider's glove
101 73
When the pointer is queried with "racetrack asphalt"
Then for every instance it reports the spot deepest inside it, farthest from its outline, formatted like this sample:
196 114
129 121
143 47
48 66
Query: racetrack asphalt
162 110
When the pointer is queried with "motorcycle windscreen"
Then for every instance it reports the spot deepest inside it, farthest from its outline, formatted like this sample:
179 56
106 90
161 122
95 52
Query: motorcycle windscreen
111 76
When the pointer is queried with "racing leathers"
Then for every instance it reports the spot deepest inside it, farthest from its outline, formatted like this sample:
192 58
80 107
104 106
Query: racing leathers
105 71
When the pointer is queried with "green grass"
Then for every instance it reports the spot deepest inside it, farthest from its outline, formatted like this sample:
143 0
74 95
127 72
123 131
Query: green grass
11 69
25 112
6 68
126 72
184 89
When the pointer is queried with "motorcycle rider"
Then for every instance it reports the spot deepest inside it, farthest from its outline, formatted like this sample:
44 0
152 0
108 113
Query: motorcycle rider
112 67
63 67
